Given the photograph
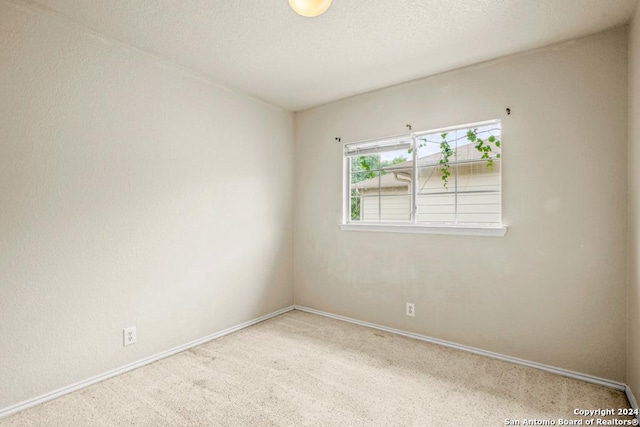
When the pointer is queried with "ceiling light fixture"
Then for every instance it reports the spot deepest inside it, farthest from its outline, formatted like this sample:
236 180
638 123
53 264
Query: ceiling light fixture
310 8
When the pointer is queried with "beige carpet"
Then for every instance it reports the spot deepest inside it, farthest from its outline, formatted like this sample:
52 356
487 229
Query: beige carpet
302 369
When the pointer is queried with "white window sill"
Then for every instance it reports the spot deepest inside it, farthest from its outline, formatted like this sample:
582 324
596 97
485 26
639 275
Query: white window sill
456 230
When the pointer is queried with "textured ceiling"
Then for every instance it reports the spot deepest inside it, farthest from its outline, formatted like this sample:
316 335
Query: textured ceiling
263 48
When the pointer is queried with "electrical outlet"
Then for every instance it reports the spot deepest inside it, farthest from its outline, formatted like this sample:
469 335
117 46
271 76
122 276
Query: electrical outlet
130 336
411 309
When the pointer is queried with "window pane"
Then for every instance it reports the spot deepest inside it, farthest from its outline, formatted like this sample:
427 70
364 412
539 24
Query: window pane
365 182
479 193
370 209
437 208
356 207
382 198
478 143
395 205
381 186
430 180
430 147
395 186
365 191
479 208
395 160
436 203
365 164
479 176
478 180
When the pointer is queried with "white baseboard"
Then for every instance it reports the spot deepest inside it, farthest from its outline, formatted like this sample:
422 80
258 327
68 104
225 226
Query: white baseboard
4 412
559 371
632 399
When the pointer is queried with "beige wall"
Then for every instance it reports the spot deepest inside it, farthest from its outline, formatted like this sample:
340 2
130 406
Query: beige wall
553 289
124 184
633 355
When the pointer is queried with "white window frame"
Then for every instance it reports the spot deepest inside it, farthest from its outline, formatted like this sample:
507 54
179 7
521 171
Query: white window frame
413 226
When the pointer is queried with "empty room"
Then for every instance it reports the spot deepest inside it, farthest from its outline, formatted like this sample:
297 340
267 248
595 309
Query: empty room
319 213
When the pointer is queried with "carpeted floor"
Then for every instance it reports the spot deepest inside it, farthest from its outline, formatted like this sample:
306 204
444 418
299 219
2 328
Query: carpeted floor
302 369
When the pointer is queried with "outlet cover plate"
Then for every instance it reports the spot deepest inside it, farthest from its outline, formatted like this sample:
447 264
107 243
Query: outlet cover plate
411 309
130 336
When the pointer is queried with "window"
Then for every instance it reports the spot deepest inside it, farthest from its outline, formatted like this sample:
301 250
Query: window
431 180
